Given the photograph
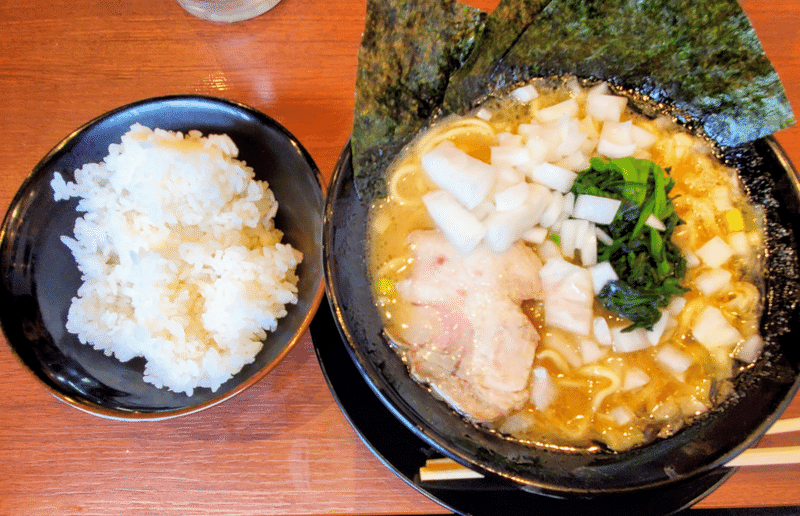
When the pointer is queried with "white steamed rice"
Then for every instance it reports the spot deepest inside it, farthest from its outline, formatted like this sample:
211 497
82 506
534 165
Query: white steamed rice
180 259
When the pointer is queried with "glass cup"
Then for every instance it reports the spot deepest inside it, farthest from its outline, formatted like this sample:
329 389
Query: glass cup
227 10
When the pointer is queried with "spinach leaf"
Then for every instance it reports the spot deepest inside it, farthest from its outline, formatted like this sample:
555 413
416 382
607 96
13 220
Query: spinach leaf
649 265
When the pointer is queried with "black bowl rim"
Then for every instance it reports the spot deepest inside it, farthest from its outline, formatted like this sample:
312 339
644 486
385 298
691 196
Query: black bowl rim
142 415
433 437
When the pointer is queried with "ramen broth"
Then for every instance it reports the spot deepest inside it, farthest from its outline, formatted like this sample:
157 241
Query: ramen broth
601 389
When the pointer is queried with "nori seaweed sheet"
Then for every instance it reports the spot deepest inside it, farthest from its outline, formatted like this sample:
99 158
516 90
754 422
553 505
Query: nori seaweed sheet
701 58
408 50
502 30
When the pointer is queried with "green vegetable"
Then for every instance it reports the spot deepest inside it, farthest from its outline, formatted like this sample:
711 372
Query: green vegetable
649 265
384 287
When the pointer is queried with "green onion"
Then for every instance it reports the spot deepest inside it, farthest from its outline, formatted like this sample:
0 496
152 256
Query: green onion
384 287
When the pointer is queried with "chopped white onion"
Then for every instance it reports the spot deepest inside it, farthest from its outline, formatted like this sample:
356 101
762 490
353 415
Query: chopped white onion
511 197
571 142
600 88
525 93
548 250
543 389
715 253
484 114
469 179
618 133
713 281
655 223
482 210
722 199
674 359
569 203
601 331
616 140
627 342
590 351
692 260
577 162
712 330
602 274
654 335
750 349
600 210
568 108
537 152
615 150
503 228
554 177
535 235
589 248
568 296
634 378
622 415
643 138
506 139
569 234
510 154
676 305
739 243
603 237
605 107
458 224
507 176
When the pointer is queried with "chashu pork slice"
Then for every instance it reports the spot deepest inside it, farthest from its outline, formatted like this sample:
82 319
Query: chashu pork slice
472 343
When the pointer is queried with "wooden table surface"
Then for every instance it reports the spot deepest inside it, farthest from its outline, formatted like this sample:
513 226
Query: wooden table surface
283 446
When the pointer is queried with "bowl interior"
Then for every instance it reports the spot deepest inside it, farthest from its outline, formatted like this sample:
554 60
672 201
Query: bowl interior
762 393
40 275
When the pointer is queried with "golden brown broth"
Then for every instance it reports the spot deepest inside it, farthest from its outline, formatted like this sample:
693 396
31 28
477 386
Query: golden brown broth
667 402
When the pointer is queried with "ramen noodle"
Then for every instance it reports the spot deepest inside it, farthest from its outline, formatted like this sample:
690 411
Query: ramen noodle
487 267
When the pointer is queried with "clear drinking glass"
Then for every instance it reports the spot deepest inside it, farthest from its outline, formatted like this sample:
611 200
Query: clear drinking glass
227 10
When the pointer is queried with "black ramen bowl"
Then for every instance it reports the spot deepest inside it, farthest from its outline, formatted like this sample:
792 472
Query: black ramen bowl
40 276
761 393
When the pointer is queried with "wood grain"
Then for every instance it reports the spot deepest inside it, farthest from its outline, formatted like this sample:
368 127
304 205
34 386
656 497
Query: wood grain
283 446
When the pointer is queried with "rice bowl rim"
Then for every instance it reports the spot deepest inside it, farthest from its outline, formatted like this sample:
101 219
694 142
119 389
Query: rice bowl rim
262 119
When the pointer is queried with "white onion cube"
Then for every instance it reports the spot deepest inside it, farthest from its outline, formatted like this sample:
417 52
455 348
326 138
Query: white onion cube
634 378
750 349
590 351
602 274
511 197
712 330
600 210
525 93
469 179
601 331
628 342
673 359
715 253
654 335
459 225
605 107
568 108
503 228
543 388
713 281
568 296
514 155
554 177
615 150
